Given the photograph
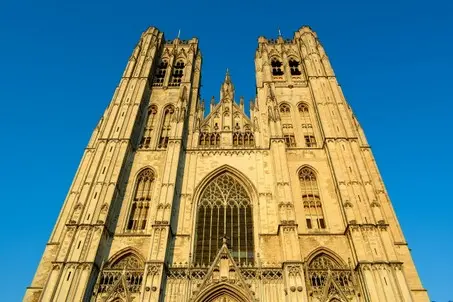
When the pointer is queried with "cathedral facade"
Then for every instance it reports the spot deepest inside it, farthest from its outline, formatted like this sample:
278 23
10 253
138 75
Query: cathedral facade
171 203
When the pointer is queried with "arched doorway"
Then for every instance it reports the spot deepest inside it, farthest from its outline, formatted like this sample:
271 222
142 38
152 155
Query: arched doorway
224 298
223 292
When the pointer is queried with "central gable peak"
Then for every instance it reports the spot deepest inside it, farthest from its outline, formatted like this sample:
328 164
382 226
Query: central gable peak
227 88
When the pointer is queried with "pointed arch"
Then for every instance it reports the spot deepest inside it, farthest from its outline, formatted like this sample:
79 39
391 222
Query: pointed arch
124 270
216 292
305 166
272 53
167 118
182 55
291 53
325 252
294 66
303 107
141 200
160 72
151 121
141 170
245 181
328 277
166 53
277 66
285 110
307 125
311 198
137 260
224 207
177 72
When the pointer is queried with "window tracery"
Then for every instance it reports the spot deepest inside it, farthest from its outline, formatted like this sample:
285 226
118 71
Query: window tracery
314 216
166 127
129 266
307 126
289 138
208 139
243 139
310 141
149 127
294 67
178 72
285 110
287 126
224 209
159 75
277 67
323 270
141 202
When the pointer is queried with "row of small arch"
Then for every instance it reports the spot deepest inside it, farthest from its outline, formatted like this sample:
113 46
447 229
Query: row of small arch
164 63
315 254
283 106
304 171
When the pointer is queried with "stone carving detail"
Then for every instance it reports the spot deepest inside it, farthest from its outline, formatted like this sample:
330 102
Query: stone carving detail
327 279
121 278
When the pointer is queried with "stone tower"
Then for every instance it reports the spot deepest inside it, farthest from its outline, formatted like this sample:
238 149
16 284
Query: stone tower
170 203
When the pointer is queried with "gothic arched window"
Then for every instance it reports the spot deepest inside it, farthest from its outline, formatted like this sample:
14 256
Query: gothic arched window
149 127
249 138
303 109
166 127
287 125
141 201
159 75
294 67
178 72
208 139
307 126
224 209
314 216
323 267
285 110
277 67
129 263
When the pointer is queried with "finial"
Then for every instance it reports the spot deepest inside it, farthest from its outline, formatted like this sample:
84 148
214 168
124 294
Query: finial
279 32
224 239
179 33
212 100
227 76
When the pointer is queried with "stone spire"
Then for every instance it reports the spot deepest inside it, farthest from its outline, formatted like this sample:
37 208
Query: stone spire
227 89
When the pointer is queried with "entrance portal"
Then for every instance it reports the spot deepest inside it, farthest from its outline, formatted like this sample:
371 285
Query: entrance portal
223 293
223 298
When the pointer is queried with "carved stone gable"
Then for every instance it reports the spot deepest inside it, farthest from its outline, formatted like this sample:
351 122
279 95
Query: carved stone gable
224 276
119 291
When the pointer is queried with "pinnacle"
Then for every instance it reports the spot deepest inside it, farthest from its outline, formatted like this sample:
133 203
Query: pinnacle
227 76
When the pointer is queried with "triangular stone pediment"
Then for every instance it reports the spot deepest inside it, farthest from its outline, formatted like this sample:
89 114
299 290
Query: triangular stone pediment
223 272
223 113
119 290
332 291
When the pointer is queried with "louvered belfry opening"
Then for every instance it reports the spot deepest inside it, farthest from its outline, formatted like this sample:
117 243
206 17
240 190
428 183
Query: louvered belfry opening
224 210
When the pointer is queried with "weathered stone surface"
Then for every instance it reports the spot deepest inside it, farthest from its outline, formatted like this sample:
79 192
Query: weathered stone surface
323 228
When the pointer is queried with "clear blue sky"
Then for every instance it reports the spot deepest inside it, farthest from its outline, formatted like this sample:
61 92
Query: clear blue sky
61 60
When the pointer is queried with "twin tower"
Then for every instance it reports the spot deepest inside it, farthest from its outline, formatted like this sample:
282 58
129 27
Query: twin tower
174 201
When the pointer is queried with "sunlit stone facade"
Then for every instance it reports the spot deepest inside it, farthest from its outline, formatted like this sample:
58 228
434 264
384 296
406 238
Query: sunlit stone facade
171 203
